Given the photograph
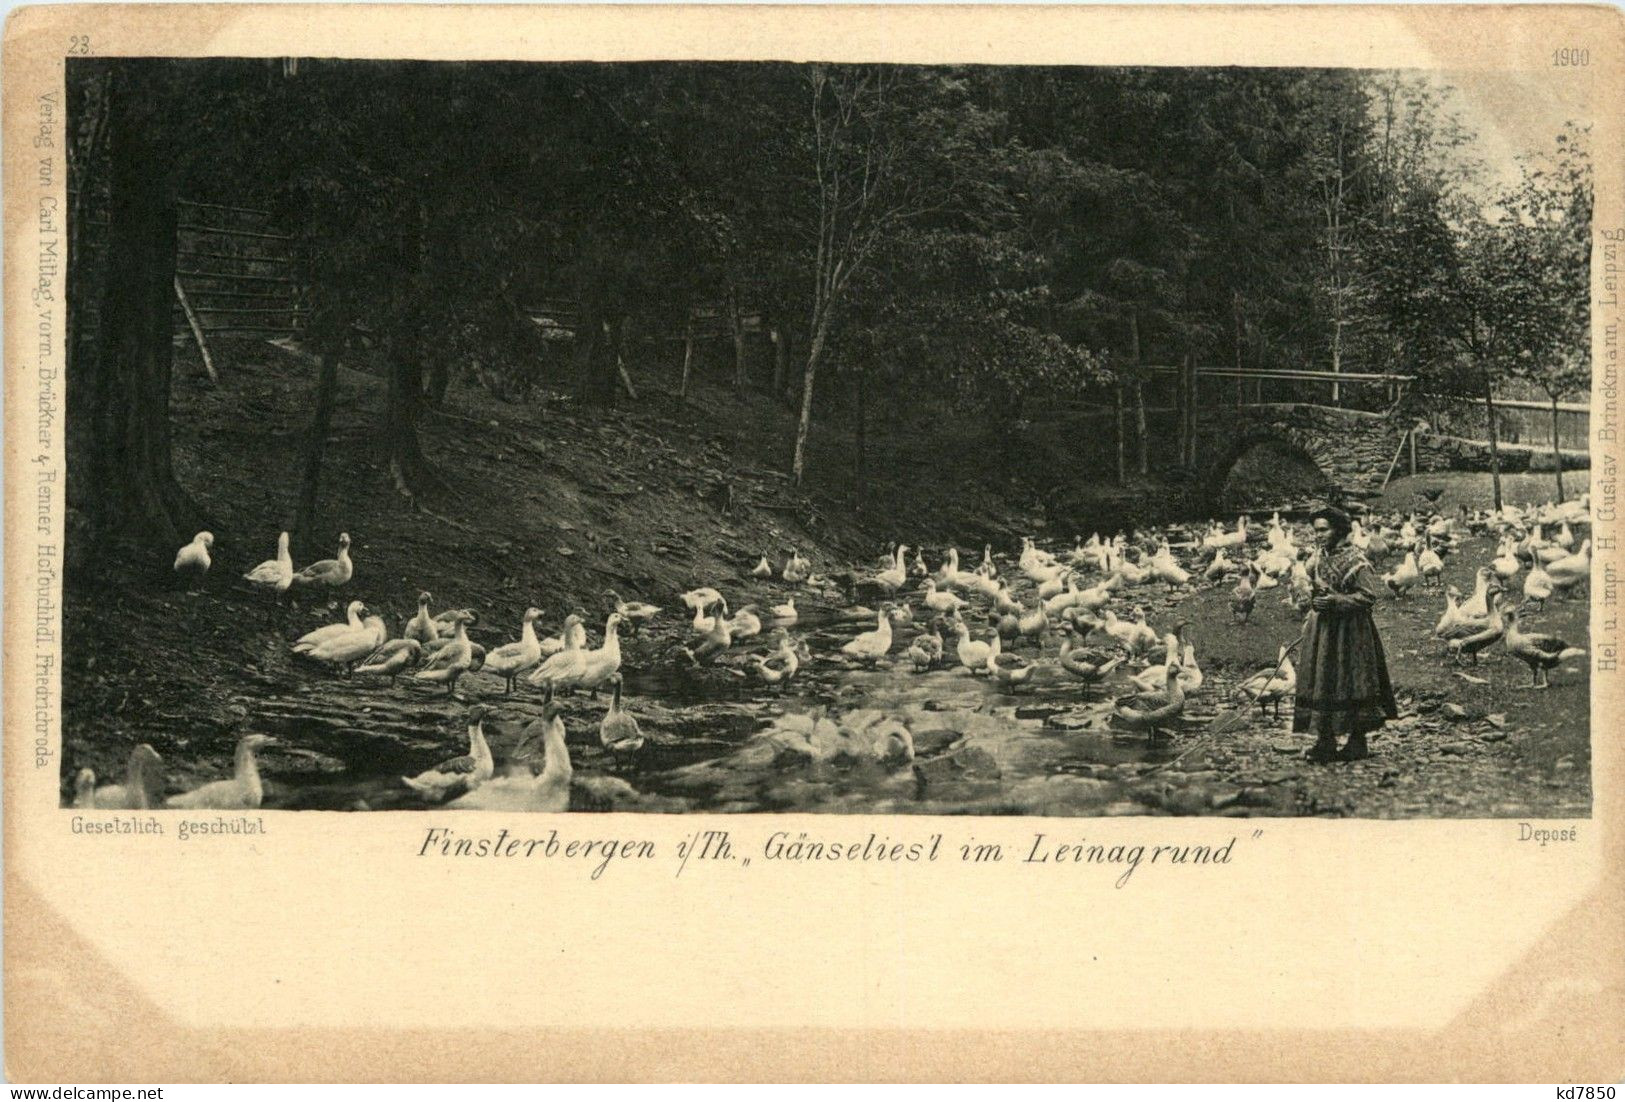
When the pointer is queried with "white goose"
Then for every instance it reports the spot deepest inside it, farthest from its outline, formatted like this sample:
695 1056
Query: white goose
331 573
599 665
950 574
1273 685
84 789
1537 585
940 600
718 638
311 639
242 791
781 665
523 790
422 627
1506 564
452 660
349 647
702 598
1222 539
635 613
1571 570
1138 636
1065 599
460 775
512 659
618 731
1429 563
274 574
192 561
972 653
1450 619
1153 678
892 578
745 623
143 782
1400 580
1477 606
705 620
872 645
917 567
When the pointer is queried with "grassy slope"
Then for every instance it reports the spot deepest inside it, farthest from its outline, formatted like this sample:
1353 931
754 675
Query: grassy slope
548 506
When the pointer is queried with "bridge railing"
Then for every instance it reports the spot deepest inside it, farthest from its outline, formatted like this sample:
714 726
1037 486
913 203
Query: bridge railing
1241 386
1517 420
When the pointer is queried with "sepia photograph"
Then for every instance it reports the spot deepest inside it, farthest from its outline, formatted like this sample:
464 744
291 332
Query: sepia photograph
828 437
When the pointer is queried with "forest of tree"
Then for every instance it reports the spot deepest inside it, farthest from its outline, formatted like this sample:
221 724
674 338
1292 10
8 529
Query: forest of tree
983 239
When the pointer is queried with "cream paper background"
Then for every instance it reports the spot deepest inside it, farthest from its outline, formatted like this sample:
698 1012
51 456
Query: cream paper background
327 949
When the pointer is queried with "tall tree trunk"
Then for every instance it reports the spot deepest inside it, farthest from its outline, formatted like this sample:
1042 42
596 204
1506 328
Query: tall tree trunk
1337 361
437 382
304 517
781 359
1189 455
815 350
1122 451
86 169
736 329
1194 408
136 494
1495 444
85 172
594 358
1557 452
1143 459
1183 403
861 469
1190 409
1238 324
412 472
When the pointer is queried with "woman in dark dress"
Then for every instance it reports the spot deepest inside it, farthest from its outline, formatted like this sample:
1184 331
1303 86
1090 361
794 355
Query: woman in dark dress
1343 686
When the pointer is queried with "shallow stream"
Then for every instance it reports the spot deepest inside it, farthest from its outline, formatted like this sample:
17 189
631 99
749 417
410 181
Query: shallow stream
719 740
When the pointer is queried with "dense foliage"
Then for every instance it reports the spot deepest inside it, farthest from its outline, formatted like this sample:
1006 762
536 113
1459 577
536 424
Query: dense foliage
987 237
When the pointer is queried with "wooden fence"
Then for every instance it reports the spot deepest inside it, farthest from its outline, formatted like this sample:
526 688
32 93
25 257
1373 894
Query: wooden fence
1517 421
235 275
705 321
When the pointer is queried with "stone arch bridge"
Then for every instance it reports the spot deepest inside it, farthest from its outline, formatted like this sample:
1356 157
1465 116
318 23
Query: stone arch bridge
1354 449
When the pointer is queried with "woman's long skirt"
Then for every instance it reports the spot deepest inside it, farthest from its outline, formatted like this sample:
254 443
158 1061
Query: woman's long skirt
1343 686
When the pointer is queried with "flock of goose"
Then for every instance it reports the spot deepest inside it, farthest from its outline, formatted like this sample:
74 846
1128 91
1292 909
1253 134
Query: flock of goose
972 620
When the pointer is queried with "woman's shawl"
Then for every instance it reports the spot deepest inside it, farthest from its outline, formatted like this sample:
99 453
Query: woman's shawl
1342 569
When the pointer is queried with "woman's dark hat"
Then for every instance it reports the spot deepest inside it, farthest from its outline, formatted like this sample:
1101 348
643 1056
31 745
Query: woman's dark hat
1334 516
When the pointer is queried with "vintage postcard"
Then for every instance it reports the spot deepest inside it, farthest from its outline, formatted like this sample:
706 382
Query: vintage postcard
818 543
